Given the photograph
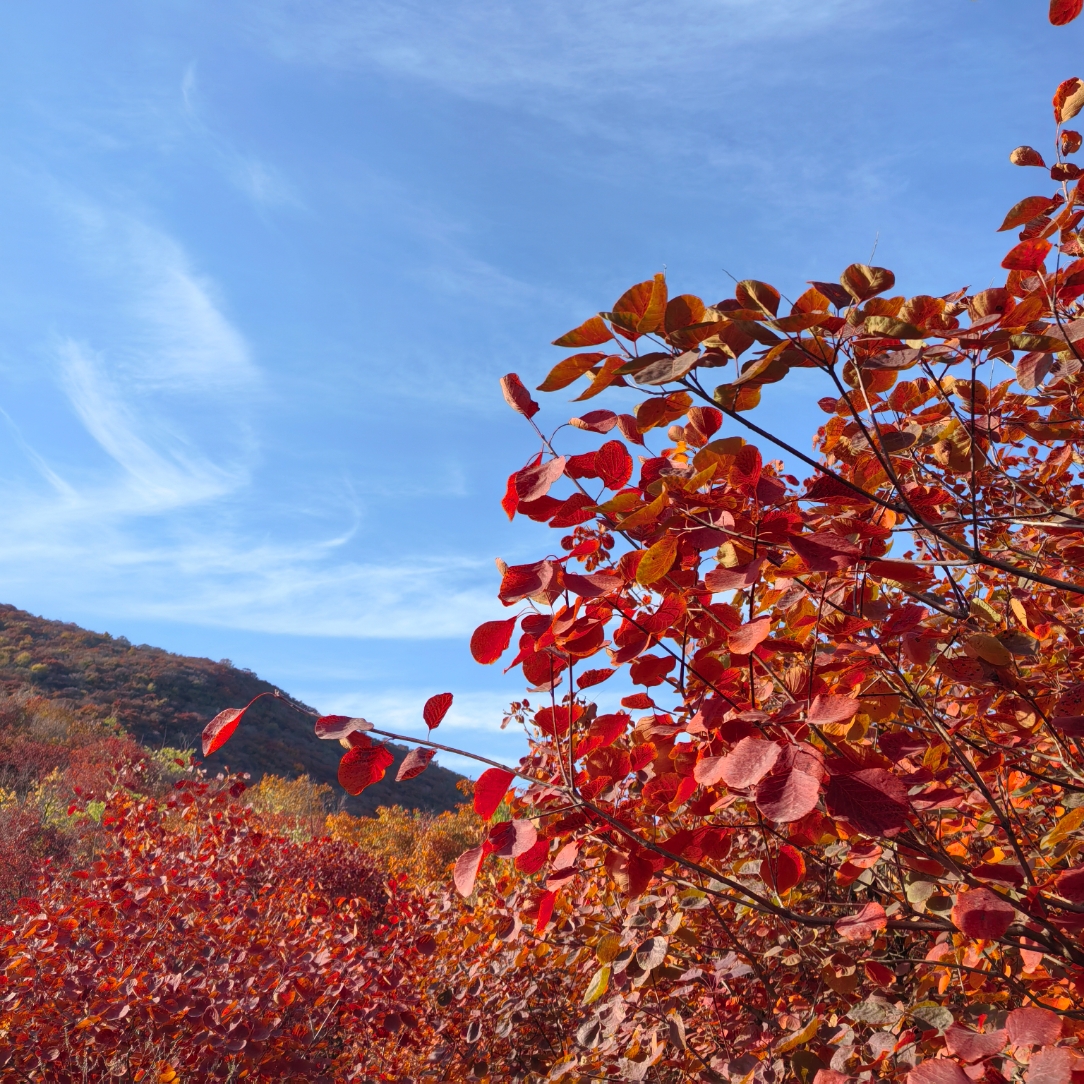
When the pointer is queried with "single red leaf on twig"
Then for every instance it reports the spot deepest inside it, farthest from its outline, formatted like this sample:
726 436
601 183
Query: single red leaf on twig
938 1071
864 925
745 638
1033 1026
490 790
414 763
490 640
466 869
791 789
220 729
364 765
334 727
831 709
436 707
517 396
979 913
969 1046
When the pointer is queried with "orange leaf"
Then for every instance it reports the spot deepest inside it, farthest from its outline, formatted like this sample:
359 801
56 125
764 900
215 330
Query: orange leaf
863 282
568 370
606 376
1027 256
591 332
1026 210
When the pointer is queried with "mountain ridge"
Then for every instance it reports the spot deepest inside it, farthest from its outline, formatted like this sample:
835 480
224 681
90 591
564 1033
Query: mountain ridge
162 698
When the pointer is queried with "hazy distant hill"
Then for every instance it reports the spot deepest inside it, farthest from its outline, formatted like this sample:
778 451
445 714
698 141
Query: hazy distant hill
165 699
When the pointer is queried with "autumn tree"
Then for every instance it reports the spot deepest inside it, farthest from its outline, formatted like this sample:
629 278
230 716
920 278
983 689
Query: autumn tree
836 832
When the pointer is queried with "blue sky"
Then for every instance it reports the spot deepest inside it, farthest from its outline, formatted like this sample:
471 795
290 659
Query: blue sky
263 263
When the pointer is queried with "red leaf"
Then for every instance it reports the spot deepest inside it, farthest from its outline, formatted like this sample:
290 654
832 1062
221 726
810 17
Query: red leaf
524 581
579 508
831 709
1027 256
614 464
650 670
220 729
511 839
873 800
596 421
745 638
606 729
747 763
517 396
510 500
593 677
785 870
545 911
864 925
362 766
1051 1065
334 727
436 707
491 639
938 1071
1033 1026
594 585
490 790
791 789
414 763
426 944
1064 11
979 913
969 1046
535 481
533 860
1070 884
466 870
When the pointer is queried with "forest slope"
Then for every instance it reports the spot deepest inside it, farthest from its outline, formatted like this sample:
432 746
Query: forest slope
165 699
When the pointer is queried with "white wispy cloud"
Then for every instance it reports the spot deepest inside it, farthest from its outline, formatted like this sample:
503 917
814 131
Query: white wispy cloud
487 48
261 181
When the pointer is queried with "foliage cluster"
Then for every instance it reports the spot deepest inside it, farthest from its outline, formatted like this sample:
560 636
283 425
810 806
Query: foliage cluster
836 832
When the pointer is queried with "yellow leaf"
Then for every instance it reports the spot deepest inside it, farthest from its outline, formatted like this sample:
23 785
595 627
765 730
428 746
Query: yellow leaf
621 503
987 648
799 1038
597 986
1067 825
608 948
701 478
1018 609
656 562
646 515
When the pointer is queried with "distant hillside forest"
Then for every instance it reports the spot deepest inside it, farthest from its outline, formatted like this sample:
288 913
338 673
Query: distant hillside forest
163 699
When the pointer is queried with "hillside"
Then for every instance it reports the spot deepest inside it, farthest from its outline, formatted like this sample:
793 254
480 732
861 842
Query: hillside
165 699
